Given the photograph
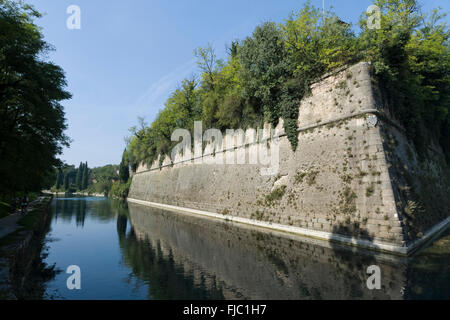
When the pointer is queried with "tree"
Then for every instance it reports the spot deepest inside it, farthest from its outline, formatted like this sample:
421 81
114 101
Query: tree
411 59
208 63
85 179
124 171
66 182
267 74
79 178
32 120
59 179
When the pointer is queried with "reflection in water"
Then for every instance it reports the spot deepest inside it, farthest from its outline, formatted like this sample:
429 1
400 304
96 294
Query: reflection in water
166 278
246 263
146 253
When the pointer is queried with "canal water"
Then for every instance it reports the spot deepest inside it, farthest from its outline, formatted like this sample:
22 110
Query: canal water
136 252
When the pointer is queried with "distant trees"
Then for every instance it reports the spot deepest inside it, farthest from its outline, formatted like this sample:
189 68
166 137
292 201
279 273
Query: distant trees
267 74
85 177
71 179
66 182
32 120
97 180
79 178
101 179
59 179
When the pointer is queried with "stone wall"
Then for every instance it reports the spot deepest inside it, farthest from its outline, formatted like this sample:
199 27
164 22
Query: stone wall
343 179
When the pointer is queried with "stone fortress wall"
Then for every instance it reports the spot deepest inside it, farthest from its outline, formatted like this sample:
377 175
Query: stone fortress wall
353 178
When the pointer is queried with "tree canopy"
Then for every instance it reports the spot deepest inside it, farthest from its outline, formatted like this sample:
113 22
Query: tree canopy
32 120
267 74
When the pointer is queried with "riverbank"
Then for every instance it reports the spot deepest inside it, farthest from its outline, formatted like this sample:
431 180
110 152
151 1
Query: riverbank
20 246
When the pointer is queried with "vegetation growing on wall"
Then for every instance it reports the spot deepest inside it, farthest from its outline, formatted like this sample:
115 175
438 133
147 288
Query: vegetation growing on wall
411 59
267 74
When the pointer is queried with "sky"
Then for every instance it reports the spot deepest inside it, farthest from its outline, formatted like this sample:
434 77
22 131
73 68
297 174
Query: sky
129 56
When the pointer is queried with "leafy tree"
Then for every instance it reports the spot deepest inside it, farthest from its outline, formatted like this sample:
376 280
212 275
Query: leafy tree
32 122
124 171
267 74
79 178
66 182
209 64
411 58
59 179
85 177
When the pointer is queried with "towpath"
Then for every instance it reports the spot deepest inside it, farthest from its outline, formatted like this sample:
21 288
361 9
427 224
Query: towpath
10 224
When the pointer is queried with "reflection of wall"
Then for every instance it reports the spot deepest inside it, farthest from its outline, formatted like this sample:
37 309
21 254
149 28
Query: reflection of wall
345 177
260 265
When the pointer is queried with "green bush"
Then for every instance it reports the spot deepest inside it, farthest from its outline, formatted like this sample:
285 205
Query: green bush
119 190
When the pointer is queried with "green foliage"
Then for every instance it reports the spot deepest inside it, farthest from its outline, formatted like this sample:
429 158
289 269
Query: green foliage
411 59
32 122
66 182
276 195
101 179
267 74
79 179
85 177
59 179
124 171
93 181
119 190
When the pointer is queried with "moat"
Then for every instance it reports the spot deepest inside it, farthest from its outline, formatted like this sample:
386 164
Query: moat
135 252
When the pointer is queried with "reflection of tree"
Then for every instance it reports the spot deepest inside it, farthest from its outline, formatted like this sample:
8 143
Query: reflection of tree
122 225
165 278
81 208
428 273
81 213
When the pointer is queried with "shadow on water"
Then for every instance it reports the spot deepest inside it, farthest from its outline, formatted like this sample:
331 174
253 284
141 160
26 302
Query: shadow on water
28 271
428 273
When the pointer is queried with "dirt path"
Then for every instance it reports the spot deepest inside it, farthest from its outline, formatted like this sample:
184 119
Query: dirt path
9 224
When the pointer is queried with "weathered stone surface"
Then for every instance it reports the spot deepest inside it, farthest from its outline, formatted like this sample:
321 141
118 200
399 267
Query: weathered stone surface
346 177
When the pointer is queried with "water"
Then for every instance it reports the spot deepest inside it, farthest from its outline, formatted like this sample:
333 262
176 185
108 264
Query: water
136 252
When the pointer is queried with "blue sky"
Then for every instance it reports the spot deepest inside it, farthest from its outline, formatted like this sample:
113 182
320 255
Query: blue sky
129 56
